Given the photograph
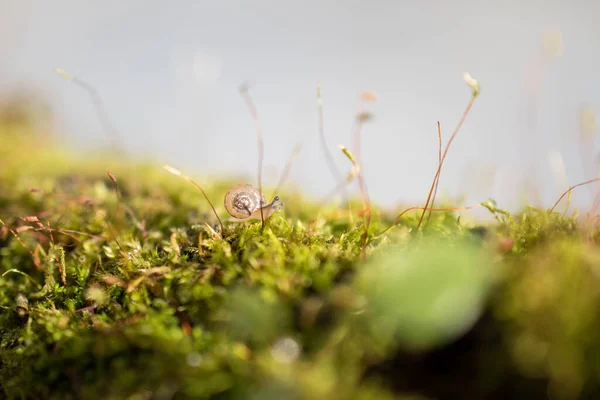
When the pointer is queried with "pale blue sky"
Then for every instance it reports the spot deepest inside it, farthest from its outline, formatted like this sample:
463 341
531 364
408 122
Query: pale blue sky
169 73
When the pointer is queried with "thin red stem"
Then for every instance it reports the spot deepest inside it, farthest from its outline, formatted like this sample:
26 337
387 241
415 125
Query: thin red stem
570 189
439 169
437 181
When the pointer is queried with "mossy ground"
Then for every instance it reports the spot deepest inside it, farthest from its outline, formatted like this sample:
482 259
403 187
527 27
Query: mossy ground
131 296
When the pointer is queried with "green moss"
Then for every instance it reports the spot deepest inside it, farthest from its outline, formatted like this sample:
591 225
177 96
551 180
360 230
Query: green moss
132 296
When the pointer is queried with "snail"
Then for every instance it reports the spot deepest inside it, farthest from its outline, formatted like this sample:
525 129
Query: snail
244 202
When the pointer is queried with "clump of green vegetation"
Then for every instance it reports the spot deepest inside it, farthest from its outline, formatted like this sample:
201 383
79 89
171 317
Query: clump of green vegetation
112 286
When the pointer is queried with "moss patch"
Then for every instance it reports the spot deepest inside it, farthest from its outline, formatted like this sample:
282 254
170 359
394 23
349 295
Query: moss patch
133 296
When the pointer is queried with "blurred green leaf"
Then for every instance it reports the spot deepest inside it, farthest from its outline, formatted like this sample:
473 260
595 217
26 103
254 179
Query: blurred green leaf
427 295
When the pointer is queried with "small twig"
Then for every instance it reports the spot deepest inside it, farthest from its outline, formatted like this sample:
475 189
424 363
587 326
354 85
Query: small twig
178 173
570 189
244 91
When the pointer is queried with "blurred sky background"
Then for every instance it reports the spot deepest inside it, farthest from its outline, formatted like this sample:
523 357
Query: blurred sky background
169 74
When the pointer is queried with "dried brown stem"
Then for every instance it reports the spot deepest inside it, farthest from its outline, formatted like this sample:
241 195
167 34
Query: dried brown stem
437 181
441 163
570 189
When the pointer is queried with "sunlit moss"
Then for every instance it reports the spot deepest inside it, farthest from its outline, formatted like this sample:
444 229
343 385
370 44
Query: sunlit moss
131 295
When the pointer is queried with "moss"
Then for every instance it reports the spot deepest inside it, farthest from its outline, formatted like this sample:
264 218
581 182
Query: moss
133 296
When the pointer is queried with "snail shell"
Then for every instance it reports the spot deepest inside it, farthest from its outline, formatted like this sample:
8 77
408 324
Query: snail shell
244 202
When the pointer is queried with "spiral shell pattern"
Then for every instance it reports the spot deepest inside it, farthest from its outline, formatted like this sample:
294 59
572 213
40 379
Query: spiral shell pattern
244 202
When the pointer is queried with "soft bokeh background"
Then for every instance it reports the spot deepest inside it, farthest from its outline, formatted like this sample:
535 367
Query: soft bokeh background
169 76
